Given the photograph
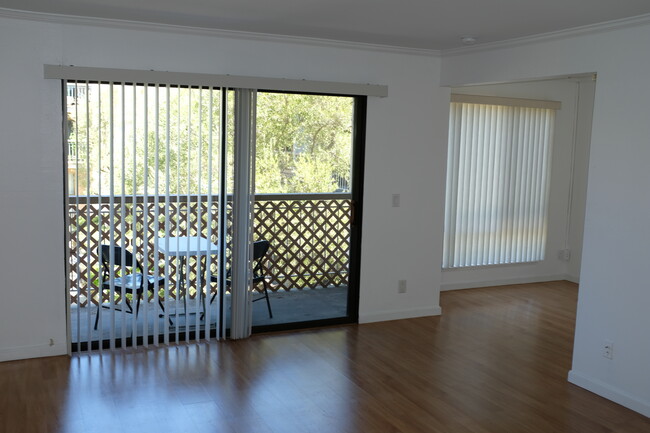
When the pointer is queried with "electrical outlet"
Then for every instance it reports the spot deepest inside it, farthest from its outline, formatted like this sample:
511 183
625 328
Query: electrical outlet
608 349
401 286
396 200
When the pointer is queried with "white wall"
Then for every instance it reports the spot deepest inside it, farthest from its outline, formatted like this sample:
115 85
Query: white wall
568 169
405 150
614 295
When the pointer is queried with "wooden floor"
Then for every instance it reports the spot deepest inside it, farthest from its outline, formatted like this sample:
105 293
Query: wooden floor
495 361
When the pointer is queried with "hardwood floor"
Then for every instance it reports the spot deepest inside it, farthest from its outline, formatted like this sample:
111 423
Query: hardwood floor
495 361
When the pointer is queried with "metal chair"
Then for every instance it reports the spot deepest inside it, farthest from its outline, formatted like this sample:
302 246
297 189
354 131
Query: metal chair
260 249
125 284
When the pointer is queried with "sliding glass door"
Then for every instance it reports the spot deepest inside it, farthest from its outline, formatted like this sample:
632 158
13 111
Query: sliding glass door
189 204
306 174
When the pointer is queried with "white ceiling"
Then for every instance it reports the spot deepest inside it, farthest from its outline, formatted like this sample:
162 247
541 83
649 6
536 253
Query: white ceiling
426 24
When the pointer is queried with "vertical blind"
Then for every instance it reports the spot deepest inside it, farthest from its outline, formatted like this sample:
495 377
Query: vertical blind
244 197
498 170
147 177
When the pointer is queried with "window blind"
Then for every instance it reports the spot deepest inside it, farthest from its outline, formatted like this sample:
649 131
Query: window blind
498 170
145 179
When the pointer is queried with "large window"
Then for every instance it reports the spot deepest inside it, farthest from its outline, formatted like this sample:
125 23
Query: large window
497 181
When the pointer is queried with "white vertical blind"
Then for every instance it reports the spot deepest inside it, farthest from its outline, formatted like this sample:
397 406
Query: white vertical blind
156 219
222 220
498 170
150 157
243 198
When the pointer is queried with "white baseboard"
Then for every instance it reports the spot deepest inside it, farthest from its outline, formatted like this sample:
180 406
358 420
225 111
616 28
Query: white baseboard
37 351
384 316
609 392
573 279
502 282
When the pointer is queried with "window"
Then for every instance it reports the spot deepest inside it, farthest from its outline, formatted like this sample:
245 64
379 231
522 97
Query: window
498 170
75 91
303 143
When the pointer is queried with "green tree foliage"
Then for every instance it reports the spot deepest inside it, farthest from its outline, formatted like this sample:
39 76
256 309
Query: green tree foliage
303 141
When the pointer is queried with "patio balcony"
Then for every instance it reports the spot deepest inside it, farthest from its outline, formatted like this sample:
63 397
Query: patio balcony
307 265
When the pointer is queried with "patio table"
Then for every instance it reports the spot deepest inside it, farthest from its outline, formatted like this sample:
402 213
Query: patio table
183 247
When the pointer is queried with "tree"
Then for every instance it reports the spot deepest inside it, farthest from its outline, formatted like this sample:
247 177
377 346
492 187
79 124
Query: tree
303 142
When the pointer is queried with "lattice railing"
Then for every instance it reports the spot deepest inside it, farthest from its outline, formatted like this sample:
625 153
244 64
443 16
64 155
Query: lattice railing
310 239
309 236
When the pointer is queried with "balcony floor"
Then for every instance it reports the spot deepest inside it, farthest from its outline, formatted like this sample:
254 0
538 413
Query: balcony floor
288 307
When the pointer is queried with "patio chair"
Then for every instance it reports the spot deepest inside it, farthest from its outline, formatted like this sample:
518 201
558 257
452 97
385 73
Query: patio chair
125 284
260 249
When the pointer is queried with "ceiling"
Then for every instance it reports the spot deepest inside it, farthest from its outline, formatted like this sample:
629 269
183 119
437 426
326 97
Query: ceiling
423 24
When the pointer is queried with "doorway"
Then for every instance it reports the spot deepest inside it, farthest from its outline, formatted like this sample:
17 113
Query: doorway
157 173
308 188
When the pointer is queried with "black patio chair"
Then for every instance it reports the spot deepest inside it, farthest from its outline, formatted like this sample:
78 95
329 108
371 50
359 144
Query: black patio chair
260 249
125 284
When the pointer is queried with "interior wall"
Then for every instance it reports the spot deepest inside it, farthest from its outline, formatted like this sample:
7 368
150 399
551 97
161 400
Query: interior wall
614 291
578 199
567 185
406 138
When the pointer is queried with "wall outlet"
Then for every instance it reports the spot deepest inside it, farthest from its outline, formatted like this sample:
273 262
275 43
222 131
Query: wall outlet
396 200
608 349
564 255
401 286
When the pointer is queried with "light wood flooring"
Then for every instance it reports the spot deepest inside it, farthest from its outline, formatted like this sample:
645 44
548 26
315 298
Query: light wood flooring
495 361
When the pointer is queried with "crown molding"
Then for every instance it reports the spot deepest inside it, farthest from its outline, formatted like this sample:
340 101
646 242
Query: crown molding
204 31
607 26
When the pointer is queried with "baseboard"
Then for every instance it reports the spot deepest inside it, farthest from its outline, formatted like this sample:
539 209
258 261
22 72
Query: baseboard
384 316
502 282
609 392
573 279
36 351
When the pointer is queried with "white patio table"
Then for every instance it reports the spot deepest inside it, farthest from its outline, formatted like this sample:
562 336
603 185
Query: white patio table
183 247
